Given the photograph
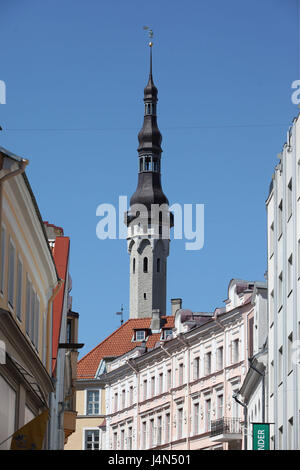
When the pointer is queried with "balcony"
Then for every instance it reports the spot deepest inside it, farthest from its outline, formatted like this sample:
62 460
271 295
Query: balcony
69 422
226 429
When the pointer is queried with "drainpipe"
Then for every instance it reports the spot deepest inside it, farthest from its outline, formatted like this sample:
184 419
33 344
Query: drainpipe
186 344
262 374
129 363
245 419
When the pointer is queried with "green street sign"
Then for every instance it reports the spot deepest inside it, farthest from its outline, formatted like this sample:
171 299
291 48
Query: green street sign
261 436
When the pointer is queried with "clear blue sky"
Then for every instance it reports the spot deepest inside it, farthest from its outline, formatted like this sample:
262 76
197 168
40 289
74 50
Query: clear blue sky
75 73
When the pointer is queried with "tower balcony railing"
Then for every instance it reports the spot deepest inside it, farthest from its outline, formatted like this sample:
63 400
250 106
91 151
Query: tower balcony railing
226 429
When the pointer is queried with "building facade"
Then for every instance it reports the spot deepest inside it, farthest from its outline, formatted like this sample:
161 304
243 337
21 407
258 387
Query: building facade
36 319
28 285
283 226
180 394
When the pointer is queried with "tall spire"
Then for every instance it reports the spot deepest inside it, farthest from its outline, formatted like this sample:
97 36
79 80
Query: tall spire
149 190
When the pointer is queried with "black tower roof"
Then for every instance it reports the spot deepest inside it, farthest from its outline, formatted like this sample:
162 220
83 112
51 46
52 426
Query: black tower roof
149 190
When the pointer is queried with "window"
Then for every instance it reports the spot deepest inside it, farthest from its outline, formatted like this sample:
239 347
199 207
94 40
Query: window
280 291
196 418
290 434
3 244
116 402
152 386
19 289
11 274
179 422
167 427
207 414
115 440
290 274
133 266
140 335
196 368
160 383
220 406
28 304
158 265
122 438
271 311
207 363
37 322
159 430
151 433
166 333
145 389
280 370
145 265
92 439
144 434
180 374
129 442
32 314
289 199
92 402
271 240
220 358
147 164
290 353
130 395
123 398
280 219
235 351
169 379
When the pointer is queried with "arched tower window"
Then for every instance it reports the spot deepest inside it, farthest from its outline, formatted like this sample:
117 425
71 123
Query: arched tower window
145 264
158 265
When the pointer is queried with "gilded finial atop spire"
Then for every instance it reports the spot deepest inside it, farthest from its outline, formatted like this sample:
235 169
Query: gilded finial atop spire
150 32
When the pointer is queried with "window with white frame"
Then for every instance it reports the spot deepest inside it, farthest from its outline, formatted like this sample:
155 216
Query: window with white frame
32 314
280 290
207 414
122 440
159 431
289 199
145 389
220 405
207 363
115 440
92 439
140 335
290 274
169 379
92 402
152 386
179 422
144 434
123 398
28 304
271 240
151 433
167 427
196 368
37 322
235 351
160 383
280 217
220 359
116 401
180 374
130 395
196 418
129 440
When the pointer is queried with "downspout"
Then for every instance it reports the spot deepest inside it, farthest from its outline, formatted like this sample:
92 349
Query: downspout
186 344
137 402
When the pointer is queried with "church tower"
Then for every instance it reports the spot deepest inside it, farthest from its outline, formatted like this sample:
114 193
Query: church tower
149 219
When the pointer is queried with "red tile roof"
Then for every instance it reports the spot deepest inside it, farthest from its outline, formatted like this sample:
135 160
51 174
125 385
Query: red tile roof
119 343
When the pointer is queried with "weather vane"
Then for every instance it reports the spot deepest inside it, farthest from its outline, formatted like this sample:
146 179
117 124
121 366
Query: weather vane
150 32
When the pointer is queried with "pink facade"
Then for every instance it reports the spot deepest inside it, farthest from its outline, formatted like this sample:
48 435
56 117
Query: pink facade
179 395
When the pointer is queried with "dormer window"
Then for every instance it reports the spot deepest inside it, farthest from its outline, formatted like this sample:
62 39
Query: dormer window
139 335
166 333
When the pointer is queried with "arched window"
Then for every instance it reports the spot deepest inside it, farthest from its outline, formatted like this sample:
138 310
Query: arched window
133 266
145 266
158 265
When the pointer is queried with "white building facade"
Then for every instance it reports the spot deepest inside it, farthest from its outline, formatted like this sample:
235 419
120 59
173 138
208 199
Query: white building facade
283 294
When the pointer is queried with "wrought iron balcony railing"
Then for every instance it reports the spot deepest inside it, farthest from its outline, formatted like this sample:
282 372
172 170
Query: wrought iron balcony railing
225 426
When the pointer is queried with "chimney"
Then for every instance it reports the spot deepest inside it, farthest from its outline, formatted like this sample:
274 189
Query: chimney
176 304
155 322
